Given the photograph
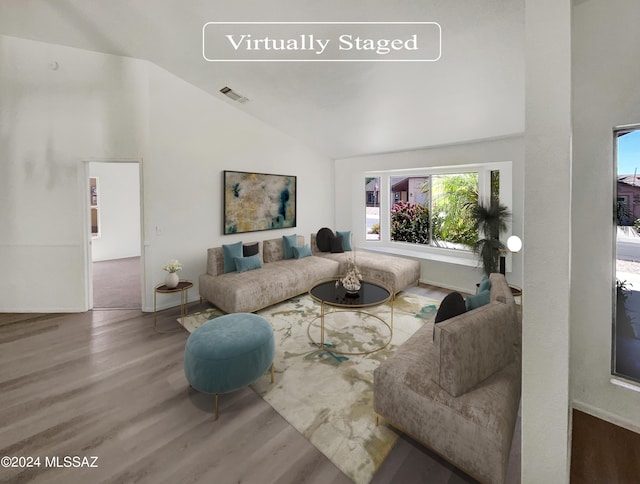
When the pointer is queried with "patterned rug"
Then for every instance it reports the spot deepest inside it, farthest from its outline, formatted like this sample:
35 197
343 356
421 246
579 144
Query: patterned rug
328 397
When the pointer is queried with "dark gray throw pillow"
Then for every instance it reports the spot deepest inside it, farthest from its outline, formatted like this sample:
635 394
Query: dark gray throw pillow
250 249
323 239
336 245
451 306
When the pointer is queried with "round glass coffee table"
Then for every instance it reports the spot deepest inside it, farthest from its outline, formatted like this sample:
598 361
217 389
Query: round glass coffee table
334 300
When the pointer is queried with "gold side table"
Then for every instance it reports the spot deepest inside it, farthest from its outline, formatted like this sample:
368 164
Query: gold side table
183 288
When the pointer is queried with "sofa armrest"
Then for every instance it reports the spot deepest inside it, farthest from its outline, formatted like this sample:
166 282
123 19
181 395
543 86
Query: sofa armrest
500 290
473 346
215 261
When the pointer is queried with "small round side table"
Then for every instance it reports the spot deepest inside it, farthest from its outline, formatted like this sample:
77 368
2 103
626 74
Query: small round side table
183 288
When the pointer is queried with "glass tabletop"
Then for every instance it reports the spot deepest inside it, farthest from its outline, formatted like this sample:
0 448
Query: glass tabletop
370 294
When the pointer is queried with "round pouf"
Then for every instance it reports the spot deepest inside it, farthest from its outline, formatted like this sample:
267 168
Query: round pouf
229 353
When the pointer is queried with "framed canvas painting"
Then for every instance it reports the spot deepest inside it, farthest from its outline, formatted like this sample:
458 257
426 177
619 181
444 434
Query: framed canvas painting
258 201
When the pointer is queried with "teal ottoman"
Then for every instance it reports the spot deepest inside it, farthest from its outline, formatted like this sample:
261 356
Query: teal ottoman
228 353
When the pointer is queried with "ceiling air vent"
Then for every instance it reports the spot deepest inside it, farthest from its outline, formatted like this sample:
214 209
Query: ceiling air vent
231 94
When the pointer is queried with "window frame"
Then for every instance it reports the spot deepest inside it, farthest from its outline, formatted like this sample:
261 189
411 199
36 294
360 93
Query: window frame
618 374
456 256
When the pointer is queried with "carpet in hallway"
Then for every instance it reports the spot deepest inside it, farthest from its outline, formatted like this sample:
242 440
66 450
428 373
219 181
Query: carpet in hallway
116 284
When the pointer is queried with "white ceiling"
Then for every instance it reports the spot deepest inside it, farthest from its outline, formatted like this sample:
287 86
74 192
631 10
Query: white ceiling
475 90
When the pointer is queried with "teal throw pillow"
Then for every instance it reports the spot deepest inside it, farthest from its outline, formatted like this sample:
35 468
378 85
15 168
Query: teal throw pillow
244 264
229 253
346 239
477 300
485 284
301 251
289 241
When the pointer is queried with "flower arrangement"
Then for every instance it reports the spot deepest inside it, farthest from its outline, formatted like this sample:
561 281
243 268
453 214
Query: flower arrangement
173 266
351 281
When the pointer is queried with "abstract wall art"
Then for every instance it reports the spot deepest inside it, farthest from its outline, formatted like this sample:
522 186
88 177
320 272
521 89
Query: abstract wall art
258 201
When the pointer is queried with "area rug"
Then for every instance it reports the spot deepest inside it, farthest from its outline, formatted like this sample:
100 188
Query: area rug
328 397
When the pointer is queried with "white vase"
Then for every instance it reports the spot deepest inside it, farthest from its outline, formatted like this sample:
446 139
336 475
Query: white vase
172 280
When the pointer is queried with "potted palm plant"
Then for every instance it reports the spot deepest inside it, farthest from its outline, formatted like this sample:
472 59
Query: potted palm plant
491 221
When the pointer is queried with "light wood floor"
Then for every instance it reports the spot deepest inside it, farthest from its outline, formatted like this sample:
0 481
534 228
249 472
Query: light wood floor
105 384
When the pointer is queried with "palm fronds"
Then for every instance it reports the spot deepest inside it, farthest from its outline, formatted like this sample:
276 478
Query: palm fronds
491 221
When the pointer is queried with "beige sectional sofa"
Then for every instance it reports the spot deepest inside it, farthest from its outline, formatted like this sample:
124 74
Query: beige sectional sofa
279 279
394 272
457 389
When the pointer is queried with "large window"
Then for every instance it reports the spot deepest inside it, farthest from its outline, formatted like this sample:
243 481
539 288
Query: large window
430 210
626 323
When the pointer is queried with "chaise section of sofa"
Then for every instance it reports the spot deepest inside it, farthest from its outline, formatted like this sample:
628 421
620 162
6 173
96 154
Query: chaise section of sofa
456 388
277 280
394 272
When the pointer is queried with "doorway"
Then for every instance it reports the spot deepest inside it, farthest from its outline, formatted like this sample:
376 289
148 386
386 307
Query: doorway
115 280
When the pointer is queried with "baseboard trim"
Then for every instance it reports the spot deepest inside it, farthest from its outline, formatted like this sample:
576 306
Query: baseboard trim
44 310
169 305
445 286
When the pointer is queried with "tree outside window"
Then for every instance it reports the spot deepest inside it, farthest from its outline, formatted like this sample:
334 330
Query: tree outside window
434 210
452 200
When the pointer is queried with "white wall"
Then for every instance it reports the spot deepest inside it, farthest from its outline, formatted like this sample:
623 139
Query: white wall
102 107
193 138
547 239
119 210
53 116
606 76
349 182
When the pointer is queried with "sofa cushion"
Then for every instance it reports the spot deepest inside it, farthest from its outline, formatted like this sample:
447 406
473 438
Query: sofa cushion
346 239
323 239
336 245
244 264
273 249
230 252
301 251
289 241
473 346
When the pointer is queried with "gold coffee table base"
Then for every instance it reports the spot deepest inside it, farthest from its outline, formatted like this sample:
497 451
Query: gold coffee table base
323 345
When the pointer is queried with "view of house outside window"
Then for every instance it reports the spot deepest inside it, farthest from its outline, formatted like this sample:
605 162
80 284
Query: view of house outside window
434 210
626 344
410 197
372 203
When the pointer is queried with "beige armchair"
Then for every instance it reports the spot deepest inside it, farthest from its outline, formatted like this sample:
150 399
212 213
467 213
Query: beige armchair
457 391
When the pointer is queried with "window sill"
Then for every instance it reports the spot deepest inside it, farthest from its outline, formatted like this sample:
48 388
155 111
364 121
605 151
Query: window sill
625 384
442 255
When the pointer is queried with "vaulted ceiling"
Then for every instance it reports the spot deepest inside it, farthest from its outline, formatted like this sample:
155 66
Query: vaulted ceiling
475 90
